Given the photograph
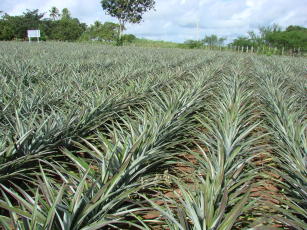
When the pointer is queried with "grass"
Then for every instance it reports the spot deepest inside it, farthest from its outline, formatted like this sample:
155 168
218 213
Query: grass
94 137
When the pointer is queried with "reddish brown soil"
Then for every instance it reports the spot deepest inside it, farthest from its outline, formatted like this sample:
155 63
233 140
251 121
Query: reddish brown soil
266 190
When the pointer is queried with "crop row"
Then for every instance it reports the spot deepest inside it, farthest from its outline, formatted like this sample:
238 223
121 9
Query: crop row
95 137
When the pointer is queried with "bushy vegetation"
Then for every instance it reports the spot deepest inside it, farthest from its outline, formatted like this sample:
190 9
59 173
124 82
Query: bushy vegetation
60 27
293 37
102 137
209 41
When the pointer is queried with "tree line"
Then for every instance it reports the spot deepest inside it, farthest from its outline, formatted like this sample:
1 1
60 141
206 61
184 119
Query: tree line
265 38
211 41
61 26
293 37
58 25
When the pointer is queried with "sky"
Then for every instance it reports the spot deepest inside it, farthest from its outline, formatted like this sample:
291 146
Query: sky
178 20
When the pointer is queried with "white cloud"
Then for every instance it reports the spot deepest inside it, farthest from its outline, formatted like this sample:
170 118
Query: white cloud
176 20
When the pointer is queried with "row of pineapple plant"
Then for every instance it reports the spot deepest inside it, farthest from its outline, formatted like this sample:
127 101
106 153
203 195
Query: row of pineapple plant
283 94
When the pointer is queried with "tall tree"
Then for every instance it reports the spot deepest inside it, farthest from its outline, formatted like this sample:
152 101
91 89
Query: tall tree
66 14
127 11
54 13
266 30
256 38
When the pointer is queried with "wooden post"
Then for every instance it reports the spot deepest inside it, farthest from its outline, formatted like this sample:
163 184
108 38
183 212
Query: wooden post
247 49
242 49
282 51
252 49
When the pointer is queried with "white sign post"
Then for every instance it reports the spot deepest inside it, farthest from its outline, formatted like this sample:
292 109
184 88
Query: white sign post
34 34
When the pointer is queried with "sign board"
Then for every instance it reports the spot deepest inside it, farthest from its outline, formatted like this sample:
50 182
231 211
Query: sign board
34 34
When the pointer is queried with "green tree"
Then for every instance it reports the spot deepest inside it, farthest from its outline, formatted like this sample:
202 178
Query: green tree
264 31
243 42
47 28
107 31
6 29
127 11
54 13
17 26
192 44
214 40
67 29
66 14
292 37
295 28
129 38
255 39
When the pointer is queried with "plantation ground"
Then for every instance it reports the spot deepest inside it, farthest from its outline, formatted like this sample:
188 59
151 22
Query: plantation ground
102 137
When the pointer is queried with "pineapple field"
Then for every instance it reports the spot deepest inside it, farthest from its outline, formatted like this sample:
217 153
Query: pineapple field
101 137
